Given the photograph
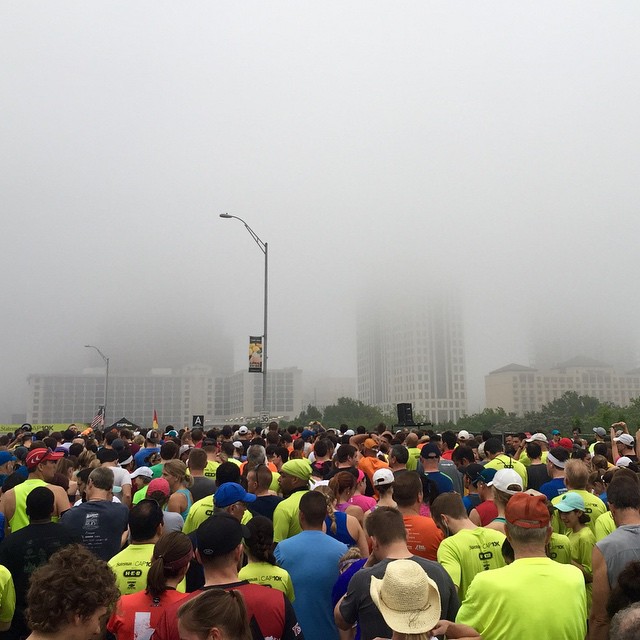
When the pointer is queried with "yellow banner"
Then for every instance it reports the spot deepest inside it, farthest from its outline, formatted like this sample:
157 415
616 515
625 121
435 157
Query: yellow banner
9 428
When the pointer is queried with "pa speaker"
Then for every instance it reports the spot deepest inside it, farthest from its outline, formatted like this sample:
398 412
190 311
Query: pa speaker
405 414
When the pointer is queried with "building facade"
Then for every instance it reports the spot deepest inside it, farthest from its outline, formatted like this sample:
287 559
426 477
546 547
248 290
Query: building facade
519 389
176 396
414 354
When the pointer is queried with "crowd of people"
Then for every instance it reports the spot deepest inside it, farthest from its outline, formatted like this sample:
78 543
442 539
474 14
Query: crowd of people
324 534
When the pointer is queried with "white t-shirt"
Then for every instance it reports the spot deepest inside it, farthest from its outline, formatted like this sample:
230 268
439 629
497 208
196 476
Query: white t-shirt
120 476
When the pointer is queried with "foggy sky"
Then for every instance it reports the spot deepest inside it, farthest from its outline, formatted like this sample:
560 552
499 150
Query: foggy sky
492 147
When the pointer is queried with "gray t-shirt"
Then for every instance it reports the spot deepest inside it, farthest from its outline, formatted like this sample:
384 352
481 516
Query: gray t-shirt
619 549
358 605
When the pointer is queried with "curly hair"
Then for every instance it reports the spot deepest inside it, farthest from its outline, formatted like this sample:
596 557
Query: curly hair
74 582
260 543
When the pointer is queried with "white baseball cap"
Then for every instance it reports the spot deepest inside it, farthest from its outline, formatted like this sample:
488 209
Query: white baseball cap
538 437
145 472
505 478
464 435
243 429
349 432
383 477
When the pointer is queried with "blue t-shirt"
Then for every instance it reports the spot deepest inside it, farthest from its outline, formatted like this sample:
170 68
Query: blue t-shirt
311 558
553 488
442 481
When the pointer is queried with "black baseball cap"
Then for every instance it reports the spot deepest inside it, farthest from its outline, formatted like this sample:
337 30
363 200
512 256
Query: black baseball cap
220 534
430 450
472 471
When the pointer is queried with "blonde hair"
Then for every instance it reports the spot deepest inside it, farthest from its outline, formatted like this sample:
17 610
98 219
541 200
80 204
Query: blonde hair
576 474
224 610
178 469
331 512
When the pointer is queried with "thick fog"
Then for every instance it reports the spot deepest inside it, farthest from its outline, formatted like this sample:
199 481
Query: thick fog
492 148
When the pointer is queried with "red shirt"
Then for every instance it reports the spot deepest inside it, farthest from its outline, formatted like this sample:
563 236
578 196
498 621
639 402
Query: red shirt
270 613
487 511
136 615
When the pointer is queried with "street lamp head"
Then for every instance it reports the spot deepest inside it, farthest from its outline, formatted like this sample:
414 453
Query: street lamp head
226 215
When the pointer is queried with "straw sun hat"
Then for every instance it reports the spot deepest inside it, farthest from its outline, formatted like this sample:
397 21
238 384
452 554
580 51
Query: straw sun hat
407 598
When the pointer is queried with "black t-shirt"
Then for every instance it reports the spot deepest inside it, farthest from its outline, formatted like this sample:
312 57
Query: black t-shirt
22 553
100 524
265 506
536 476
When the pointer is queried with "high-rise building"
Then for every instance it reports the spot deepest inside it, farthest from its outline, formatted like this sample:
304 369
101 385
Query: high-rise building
413 353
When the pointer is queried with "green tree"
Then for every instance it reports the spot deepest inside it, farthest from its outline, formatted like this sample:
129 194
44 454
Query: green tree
352 412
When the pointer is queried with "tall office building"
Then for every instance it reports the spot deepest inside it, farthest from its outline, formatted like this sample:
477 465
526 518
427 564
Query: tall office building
413 352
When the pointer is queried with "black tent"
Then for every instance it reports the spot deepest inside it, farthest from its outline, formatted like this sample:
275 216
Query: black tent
123 423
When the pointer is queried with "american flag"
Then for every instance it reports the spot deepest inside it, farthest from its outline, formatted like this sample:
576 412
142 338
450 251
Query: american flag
98 421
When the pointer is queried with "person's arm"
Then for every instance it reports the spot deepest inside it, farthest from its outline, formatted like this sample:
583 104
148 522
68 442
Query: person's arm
341 623
280 524
177 503
62 500
7 603
292 629
599 620
357 533
614 449
125 495
455 631
8 508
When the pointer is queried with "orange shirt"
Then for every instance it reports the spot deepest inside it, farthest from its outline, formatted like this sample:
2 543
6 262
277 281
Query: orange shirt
423 537
272 467
370 465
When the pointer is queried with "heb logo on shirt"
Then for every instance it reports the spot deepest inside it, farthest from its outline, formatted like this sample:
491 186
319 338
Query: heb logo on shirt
132 573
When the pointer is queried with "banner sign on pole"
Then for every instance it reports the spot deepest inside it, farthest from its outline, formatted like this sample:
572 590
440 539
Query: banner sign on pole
255 354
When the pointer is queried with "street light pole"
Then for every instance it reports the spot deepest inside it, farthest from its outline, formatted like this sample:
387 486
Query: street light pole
106 379
264 247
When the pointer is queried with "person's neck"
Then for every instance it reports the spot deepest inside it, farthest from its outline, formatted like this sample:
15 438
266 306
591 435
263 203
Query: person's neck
262 492
459 525
626 517
536 461
149 541
197 473
221 575
430 468
412 510
308 527
529 551
97 494
558 474
397 467
394 551
41 521
35 475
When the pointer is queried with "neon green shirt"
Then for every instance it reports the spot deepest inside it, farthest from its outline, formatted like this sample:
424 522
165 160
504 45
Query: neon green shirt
140 494
7 595
515 601
604 526
414 456
503 461
131 566
21 491
268 575
559 548
524 458
285 517
201 510
582 544
469 552
594 508
210 469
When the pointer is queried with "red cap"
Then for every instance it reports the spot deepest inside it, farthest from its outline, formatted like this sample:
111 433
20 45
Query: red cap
526 511
566 443
36 456
158 484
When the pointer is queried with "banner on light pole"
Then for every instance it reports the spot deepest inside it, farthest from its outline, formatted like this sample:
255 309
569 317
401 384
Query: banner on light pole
255 354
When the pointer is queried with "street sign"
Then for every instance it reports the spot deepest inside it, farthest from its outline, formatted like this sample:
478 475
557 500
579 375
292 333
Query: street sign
198 421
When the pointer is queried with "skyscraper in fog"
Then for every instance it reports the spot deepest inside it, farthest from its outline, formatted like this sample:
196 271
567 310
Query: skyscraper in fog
413 352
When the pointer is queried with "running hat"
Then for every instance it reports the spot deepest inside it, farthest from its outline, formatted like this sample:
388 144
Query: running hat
219 534
571 501
35 457
472 471
464 435
537 437
238 445
370 443
599 431
229 493
243 430
144 472
506 478
407 598
430 450
349 432
296 468
558 457
486 476
623 461
555 432
526 511
6 456
158 484
566 443
626 439
383 477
